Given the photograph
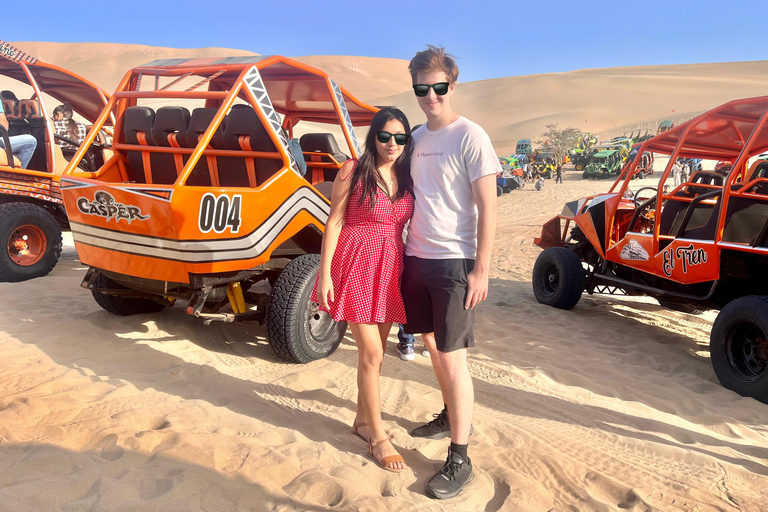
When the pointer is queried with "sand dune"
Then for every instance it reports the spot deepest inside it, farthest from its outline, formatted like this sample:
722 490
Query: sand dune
605 101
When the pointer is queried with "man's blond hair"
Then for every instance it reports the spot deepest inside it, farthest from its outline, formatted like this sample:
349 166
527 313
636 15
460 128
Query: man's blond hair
434 58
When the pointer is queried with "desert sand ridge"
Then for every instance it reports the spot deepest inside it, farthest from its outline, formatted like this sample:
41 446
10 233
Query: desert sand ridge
604 101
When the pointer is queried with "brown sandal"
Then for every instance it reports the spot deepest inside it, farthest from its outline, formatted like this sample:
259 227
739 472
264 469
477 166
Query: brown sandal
355 427
385 462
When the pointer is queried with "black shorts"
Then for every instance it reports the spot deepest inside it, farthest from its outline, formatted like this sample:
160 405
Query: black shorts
434 292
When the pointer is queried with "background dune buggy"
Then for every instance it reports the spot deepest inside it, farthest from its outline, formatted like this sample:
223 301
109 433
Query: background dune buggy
702 245
603 165
210 207
32 214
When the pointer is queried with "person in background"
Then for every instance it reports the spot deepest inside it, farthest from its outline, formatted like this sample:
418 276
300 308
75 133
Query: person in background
69 128
23 146
677 170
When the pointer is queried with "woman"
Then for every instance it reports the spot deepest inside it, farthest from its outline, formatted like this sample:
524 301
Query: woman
361 262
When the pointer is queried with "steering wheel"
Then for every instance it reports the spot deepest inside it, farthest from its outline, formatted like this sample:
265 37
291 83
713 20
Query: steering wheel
636 199
74 143
644 207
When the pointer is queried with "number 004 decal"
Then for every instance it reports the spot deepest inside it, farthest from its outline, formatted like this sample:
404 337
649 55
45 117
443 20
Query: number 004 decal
219 213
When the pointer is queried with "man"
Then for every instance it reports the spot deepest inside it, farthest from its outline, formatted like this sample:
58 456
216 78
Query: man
23 146
448 252
676 172
67 127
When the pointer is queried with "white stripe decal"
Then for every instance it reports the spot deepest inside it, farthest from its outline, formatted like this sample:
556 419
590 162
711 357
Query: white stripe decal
248 247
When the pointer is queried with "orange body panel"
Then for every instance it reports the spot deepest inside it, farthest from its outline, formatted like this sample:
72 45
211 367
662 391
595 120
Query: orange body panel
222 209
155 232
41 182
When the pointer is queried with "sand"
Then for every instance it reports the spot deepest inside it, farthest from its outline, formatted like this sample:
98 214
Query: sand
613 405
610 406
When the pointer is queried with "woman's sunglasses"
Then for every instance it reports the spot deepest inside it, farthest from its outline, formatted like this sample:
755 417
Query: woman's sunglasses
421 90
400 138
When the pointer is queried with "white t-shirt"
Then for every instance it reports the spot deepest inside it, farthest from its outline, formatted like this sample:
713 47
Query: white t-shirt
443 166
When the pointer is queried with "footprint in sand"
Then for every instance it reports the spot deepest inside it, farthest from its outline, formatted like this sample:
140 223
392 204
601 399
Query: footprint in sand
109 449
614 494
315 487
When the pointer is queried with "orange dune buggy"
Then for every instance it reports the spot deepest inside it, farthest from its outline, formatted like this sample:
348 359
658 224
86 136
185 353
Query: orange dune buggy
31 210
702 245
205 205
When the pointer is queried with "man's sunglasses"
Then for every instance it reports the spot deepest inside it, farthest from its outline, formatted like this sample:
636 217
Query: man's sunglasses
421 90
400 138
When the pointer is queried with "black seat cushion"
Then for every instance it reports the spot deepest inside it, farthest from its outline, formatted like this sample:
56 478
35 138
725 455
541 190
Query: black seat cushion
322 143
233 171
168 121
137 120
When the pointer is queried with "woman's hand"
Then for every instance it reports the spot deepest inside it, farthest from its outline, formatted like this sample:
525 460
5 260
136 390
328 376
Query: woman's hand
325 291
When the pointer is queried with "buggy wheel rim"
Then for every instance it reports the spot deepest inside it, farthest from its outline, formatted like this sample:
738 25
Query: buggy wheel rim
27 245
549 279
319 323
746 350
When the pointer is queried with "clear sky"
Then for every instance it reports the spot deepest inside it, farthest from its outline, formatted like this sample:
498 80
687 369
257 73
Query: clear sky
491 39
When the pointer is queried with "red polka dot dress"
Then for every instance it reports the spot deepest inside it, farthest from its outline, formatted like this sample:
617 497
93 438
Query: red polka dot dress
368 262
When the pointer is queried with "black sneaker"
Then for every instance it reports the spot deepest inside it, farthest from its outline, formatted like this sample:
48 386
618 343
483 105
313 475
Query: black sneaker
454 475
438 428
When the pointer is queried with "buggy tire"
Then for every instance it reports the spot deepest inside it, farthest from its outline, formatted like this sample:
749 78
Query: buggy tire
558 278
683 308
584 176
297 330
579 167
121 306
548 174
641 175
22 223
499 190
738 346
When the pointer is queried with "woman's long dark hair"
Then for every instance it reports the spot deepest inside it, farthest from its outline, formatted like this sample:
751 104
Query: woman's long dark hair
365 171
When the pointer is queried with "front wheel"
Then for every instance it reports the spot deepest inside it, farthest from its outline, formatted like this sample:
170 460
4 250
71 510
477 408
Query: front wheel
738 346
558 278
297 329
499 190
30 242
579 167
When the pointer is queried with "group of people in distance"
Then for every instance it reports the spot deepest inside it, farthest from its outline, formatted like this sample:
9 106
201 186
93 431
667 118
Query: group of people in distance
440 178
23 145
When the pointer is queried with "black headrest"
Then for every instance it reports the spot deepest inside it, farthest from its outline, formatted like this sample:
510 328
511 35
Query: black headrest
11 107
138 119
245 121
29 109
761 171
170 120
199 122
319 142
